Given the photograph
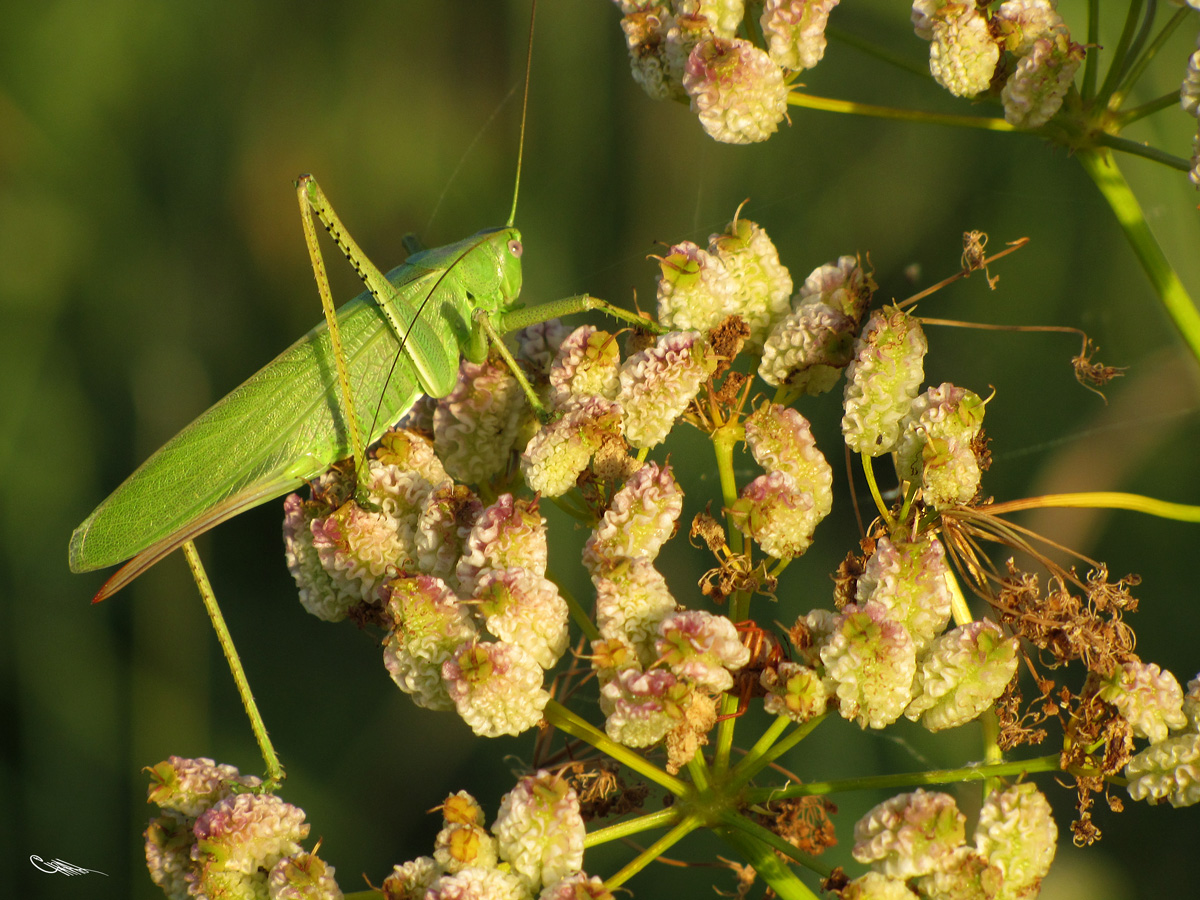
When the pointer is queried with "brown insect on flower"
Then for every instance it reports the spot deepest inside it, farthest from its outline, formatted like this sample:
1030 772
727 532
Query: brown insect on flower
766 652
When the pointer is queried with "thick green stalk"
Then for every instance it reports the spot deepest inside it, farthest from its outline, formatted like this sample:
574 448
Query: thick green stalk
654 851
1174 297
659 819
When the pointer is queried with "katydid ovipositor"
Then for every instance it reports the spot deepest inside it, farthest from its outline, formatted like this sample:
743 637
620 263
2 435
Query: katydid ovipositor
287 423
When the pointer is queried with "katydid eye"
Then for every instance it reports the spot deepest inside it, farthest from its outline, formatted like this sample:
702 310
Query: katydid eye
515 248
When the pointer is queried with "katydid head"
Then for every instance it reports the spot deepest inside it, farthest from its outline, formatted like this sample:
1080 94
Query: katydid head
504 252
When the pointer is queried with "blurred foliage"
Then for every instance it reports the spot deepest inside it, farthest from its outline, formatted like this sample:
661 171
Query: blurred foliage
151 258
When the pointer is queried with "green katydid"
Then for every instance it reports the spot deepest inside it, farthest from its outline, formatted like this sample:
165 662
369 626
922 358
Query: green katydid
295 417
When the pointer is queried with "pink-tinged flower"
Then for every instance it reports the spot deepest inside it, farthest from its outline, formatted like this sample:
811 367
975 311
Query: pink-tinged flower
1191 704
642 707
965 876
795 31
475 426
909 580
761 284
781 440
1148 697
1189 91
778 513
462 845
702 648
808 348
910 834
695 290
244 835
795 691
737 89
924 12
962 54
509 534
538 345
341 553
1017 834
304 876
846 285
936 446
639 520
560 451
648 34
169 841
445 523
540 830
190 786
478 884
631 599
722 17
525 609
1194 172
874 886
658 383
1167 770
430 623
496 687
1035 91
577 887
411 880
872 660
961 674
882 380
1021 23
586 366
409 451
612 655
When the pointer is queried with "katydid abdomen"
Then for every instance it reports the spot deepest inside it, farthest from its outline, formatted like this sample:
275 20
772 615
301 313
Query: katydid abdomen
285 425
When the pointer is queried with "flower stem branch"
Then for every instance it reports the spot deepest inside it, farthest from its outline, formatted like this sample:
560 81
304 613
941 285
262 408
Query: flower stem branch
630 827
1179 306
1164 509
570 723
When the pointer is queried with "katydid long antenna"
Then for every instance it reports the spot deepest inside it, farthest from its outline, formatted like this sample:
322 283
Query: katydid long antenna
512 216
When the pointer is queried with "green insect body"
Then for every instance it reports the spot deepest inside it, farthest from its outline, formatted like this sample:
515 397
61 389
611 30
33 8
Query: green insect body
286 424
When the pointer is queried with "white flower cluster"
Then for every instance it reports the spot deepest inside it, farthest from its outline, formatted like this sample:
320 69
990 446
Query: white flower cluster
1023 48
918 840
533 851
688 49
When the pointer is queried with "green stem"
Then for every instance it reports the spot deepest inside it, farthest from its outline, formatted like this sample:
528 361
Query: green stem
1151 51
274 769
1179 512
698 768
724 439
659 819
1050 763
566 721
1166 101
751 767
759 750
1175 300
1137 59
809 101
1133 148
761 836
869 471
1093 58
654 851
1118 64
579 614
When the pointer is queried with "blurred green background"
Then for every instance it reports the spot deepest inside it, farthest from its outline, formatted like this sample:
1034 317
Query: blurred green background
151 258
